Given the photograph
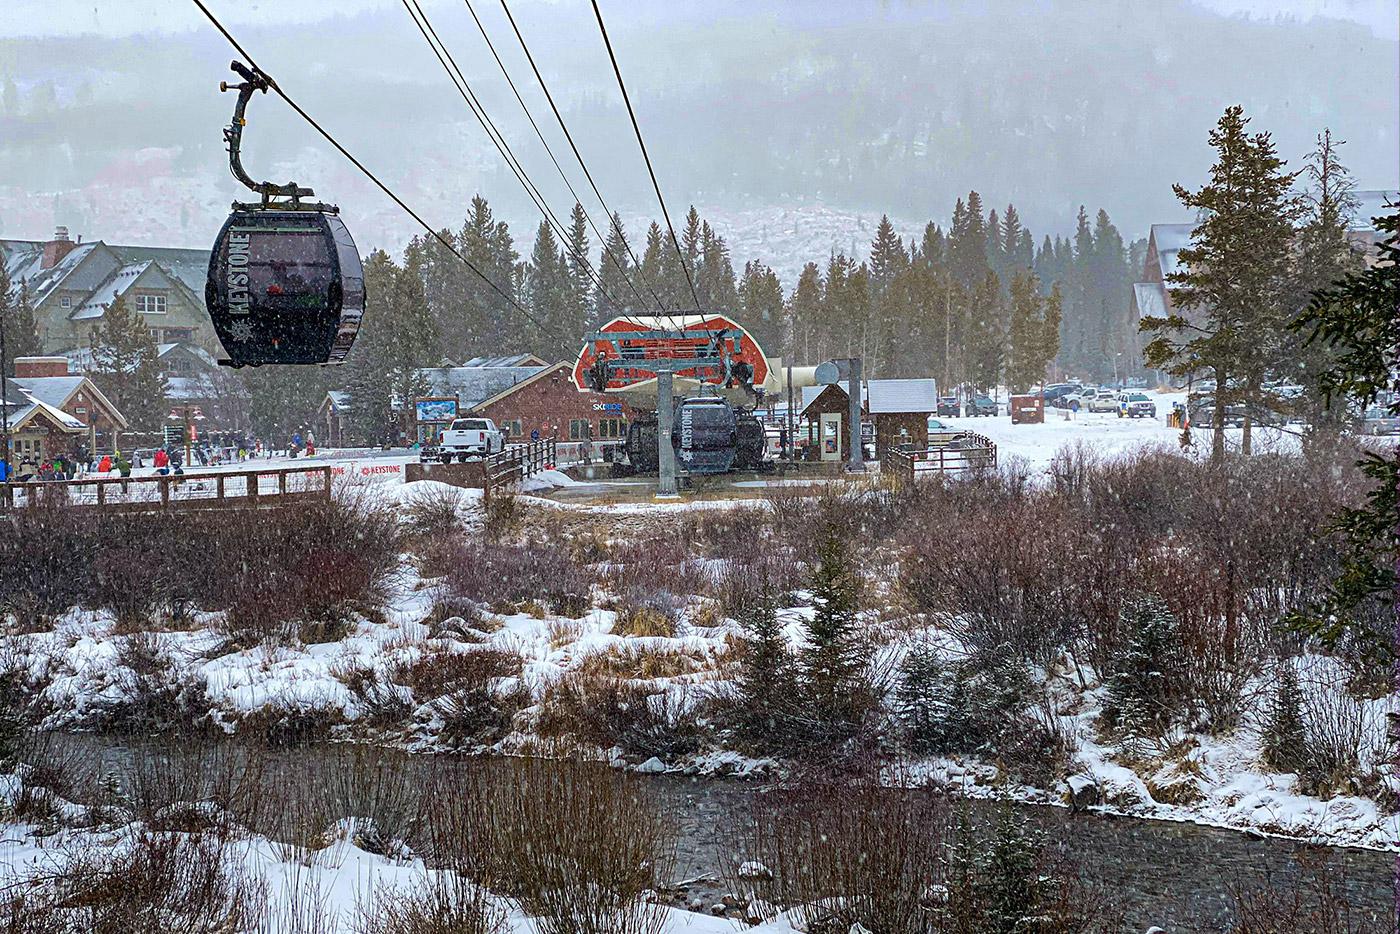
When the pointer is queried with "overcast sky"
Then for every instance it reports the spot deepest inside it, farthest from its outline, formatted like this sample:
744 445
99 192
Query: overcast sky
125 17
791 124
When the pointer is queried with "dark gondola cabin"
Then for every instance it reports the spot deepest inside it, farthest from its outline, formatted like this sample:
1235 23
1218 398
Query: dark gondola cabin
285 287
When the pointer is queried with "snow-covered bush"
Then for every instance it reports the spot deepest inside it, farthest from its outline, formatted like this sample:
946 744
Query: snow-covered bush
505 576
612 712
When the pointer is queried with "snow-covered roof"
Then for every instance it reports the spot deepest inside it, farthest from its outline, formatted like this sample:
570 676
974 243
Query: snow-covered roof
24 406
1170 240
55 390
473 384
896 396
1151 299
116 284
517 359
24 261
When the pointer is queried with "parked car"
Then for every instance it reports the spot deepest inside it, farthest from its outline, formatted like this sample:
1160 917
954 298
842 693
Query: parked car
1136 405
1201 410
470 437
948 407
980 406
1379 421
1056 393
1105 400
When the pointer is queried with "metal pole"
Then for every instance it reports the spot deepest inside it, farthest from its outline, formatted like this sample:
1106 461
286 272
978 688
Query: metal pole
791 446
857 463
667 484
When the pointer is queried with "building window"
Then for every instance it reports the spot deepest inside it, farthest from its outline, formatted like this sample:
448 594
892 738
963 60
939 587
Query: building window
175 335
65 302
578 429
513 428
609 428
150 304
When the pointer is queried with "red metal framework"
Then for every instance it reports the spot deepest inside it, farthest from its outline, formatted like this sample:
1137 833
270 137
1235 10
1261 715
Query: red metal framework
643 340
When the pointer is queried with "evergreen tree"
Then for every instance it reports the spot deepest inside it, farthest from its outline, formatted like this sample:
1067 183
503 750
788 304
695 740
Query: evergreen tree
282 399
1324 256
365 376
986 341
1140 698
655 270
996 252
765 686
928 711
1017 249
1230 288
1027 334
126 367
548 292
1355 320
714 279
1285 736
804 313
967 242
21 330
614 274
761 305
577 306
887 313
834 660
1110 288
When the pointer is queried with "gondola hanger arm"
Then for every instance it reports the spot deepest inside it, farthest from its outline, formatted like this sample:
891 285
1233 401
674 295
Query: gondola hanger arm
282 197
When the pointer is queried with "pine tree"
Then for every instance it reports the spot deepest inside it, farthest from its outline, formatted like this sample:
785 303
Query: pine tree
614 274
996 252
804 311
1355 320
126 368
833 662
1027 334
547 295
986 341
1139 700
765 686
714 279
577 307
929 707
1285 736
1324 256
655 269
761 305
1234 274
21 330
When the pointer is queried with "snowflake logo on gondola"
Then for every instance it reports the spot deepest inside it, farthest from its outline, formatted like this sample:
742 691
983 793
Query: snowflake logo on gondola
241 331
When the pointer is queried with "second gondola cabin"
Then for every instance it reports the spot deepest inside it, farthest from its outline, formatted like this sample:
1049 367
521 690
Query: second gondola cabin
285 287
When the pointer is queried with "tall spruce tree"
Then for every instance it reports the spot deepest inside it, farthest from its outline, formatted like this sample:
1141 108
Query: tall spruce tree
21 330
1230 290
714 279
834 660
986 341
614 273
804 314
1324 256
125 366
578 302
761 305
1355 320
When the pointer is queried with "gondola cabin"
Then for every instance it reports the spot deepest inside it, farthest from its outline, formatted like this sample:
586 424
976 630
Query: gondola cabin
285 287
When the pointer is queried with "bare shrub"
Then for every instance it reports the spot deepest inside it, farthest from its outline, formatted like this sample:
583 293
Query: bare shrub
188 882
839 856
156 693
191 786
500 514
506 576
1316 901
652 617
438 671
577 844
286 721
608 712
469 691
433 512
442 904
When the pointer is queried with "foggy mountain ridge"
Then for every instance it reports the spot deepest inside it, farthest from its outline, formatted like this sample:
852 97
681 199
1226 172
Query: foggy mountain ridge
791 128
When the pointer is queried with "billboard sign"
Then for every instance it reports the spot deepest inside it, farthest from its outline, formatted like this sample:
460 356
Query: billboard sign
435 410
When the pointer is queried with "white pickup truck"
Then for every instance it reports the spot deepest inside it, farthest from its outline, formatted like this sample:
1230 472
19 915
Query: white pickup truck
467 438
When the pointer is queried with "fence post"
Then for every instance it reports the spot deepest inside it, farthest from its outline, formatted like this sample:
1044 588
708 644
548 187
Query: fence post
251 485
281 483
219 486
326 480
164 492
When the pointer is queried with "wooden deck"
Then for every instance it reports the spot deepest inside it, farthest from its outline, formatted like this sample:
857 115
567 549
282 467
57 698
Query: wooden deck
196 491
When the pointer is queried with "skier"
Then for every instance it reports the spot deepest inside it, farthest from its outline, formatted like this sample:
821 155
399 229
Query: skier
162 462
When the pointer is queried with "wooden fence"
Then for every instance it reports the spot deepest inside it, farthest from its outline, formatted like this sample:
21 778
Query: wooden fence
274 486
518 461
951 452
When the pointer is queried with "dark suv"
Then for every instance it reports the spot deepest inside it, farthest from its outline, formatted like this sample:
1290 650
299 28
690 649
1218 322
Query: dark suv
981 405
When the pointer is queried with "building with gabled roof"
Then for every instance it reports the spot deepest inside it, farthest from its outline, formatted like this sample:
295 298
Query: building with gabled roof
52 411
71 285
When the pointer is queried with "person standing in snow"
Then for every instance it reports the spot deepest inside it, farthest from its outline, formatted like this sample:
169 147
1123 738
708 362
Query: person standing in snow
162 462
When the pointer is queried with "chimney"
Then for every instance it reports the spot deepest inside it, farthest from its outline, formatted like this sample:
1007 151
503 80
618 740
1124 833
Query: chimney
28 367
57 248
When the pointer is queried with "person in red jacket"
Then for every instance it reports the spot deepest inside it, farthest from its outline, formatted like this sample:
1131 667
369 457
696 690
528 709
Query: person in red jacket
162 462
